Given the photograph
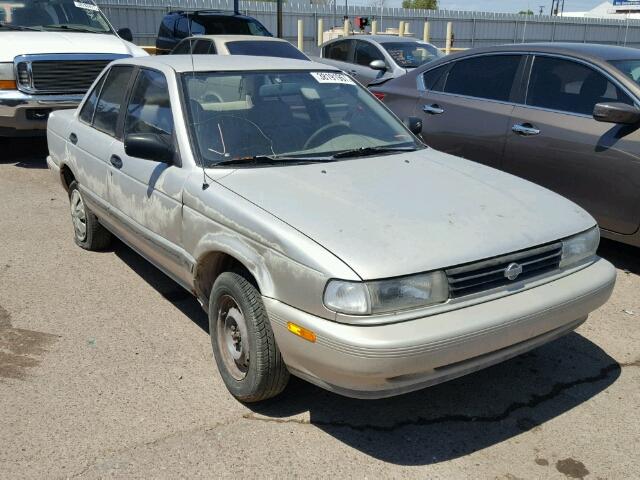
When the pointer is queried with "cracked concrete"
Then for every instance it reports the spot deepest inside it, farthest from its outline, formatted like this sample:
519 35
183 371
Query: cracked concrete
127 386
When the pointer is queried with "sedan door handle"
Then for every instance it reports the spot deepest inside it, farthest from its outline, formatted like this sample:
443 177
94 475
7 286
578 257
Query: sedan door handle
116 161
525 129
73 138
434 109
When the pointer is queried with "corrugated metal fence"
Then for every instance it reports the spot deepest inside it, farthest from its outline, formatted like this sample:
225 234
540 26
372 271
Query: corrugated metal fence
471 29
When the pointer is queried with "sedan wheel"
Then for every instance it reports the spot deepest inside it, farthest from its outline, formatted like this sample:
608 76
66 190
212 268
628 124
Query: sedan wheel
233 337
79 216
87 231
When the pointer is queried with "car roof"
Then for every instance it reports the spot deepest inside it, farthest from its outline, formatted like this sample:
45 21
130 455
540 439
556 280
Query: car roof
238 38
592 51
223 63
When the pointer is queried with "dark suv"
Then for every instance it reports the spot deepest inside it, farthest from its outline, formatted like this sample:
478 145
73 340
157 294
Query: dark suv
178 25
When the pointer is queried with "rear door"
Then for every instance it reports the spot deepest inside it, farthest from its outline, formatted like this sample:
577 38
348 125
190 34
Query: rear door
466 106
555 142
339 54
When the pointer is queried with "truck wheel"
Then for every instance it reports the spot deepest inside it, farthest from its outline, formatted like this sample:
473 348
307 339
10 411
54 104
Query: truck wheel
88 232
244 347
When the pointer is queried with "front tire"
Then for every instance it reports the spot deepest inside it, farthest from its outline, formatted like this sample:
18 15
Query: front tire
87 231
243 344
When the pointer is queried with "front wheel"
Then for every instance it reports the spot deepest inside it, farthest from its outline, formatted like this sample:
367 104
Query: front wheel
244 347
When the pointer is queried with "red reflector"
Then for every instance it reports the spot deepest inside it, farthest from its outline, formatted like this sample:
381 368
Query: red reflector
379 95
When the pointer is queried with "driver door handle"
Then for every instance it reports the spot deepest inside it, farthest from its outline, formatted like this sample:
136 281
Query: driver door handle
433 109
525 129
116 161
73 138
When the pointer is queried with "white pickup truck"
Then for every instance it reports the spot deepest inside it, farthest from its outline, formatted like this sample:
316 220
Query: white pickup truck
51 51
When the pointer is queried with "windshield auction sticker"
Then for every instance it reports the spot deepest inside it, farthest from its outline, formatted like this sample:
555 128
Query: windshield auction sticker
331 77
86 6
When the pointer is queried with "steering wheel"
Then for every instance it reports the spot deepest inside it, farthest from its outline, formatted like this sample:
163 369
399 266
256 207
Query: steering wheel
212 97
323 133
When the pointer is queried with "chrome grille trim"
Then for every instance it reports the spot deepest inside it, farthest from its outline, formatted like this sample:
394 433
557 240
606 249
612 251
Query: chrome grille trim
489 274
60 73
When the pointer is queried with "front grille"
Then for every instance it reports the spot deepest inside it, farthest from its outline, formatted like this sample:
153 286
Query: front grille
489 274
70 76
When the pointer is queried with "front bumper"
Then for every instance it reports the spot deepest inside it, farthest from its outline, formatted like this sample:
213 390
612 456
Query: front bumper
385 360
25 114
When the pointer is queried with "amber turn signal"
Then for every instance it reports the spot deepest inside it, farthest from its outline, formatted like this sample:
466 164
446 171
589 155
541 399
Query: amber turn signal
301 332
8 85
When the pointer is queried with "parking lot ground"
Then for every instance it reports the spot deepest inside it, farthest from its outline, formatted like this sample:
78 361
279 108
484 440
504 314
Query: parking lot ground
106 370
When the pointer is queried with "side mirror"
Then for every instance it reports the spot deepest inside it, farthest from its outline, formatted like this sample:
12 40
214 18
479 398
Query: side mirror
414 124
125 34
616 112
149 146
378 65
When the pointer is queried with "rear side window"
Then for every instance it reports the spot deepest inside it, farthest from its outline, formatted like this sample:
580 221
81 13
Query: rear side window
266 49
89 107
182 48
433 79
203 47
149 109
489 76
338 51
111 97
569 86
367 53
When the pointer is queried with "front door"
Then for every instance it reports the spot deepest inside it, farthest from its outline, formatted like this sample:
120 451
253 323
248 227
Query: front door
366 53
466 107
554 141
147 194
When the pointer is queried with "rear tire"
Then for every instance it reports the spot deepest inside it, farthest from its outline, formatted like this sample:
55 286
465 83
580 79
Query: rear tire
87 231
243 344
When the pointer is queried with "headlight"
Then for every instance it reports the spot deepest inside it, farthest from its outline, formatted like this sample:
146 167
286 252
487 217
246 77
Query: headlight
380 296
579 247
7 77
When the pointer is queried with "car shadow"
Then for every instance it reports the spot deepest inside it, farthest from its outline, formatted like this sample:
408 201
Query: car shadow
624 257
436 424
24 152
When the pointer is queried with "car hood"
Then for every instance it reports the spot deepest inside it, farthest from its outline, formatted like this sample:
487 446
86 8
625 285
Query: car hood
394 215
13 44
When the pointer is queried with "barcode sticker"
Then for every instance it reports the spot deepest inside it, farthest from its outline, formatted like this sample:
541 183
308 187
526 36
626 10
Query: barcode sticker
86 6
332 77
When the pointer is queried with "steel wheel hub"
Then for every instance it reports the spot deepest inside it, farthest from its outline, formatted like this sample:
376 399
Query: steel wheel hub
233 338
78 215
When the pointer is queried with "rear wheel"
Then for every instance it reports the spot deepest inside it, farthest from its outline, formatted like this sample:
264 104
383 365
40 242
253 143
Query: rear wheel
88 232
244 347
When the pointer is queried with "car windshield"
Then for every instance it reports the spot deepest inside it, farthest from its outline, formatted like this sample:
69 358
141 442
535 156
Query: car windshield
49 15
631 68
265 49
412 54
289 115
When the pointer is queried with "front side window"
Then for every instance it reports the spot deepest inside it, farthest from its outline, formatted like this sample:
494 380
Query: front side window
265 49
149 109
338 51
111 98
367 53
487 76
242 115
53 15
89 107
568 86
412 54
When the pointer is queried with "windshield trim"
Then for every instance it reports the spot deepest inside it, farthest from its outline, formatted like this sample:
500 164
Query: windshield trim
193 145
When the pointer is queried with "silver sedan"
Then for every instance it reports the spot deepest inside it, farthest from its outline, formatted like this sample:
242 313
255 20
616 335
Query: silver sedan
321 236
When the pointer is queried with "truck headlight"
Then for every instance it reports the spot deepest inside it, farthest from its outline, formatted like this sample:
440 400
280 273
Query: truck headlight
579 247
7 77
381 296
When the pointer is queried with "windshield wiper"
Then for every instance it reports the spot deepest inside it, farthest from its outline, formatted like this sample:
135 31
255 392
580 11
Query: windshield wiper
272 160
74 28
19 28
369 151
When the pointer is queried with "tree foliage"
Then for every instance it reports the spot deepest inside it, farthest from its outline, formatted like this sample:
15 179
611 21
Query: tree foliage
525 12
420 4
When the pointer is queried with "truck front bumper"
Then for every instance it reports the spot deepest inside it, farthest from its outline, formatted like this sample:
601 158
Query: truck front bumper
385 360
25 114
